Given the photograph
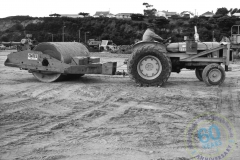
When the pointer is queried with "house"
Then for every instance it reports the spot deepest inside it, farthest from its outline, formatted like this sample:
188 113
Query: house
123 15
110 15
207 14
103 14
161 14
237 15
71 15
169 14
187 14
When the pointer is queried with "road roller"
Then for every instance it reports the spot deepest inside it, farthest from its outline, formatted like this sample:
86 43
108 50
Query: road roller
52 61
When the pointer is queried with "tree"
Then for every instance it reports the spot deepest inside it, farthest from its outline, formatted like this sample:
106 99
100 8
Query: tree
161 22
55 15
234 11
222 11
137 17
4 39
225 23
83 14
150 13
147 5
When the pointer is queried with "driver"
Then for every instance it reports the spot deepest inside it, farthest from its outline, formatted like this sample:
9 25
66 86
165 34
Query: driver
149 35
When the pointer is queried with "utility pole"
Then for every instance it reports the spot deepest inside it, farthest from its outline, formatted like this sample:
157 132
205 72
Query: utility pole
63 33
52 37
79 35
213 37
85 37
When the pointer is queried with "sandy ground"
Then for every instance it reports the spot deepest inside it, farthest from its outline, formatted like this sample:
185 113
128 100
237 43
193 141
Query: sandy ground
107 117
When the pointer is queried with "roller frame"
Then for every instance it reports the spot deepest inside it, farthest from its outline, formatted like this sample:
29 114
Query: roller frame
22 61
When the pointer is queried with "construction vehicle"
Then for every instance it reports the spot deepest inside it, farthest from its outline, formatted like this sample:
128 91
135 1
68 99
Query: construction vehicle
93 44
52 61
150 63
104 45
108 45
2 47
25 44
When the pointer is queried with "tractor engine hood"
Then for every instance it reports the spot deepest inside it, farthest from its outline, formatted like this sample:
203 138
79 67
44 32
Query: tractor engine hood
181 46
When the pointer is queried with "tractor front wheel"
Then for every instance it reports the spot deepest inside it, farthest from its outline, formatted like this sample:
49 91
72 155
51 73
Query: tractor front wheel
149 66
213 74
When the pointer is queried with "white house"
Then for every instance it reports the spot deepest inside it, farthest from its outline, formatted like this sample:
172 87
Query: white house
169 14
123 15
237 15
208 14
103 14
187 14
72 15
161 14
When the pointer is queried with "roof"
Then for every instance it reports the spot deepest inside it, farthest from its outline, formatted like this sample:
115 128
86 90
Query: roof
124 14
102 13
68 15
72 15
169 13
236 14
207 13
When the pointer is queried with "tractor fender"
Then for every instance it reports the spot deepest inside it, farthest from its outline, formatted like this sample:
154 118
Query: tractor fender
157 45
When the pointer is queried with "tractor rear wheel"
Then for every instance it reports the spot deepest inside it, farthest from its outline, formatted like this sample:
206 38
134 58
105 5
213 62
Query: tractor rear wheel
198 73
213 74
149 66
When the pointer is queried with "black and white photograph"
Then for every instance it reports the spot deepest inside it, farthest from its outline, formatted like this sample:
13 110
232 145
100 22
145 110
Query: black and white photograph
119 80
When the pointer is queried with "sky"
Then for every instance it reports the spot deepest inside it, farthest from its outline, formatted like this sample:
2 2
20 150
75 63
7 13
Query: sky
42 8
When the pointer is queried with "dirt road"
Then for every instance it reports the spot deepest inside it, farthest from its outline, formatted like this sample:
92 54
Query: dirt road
107 117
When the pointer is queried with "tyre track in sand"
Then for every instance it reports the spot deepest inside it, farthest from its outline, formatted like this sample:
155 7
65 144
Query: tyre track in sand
228 105
79 116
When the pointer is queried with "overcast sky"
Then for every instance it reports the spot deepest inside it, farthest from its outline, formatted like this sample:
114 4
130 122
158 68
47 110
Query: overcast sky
42 8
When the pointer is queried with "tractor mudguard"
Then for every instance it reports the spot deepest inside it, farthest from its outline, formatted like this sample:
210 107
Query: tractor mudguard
156 44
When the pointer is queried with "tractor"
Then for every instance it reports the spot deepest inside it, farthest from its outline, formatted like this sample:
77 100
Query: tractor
150 63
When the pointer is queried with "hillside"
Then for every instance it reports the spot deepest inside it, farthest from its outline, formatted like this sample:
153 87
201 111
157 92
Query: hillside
122 32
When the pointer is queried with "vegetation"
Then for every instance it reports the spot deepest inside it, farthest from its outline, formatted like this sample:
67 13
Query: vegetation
122 32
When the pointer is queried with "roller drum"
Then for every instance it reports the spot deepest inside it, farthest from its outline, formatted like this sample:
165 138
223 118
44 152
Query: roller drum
63 51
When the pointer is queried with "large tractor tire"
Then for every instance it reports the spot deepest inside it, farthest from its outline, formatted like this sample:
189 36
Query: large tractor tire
149 66
213 74
198 72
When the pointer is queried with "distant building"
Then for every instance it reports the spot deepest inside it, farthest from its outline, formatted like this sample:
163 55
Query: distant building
71 15
161 14
187 14
123 15
103 14
169 14
208 14
237 15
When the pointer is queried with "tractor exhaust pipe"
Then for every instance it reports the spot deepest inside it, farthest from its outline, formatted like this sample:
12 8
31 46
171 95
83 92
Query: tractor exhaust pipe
196 36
